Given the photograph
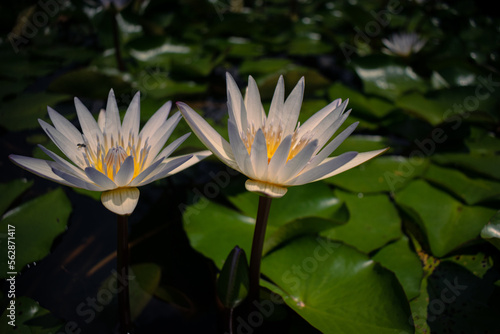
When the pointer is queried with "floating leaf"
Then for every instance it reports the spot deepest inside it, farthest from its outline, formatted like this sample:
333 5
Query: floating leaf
405 263
369 106
89 83
491 232
373 221
447 223
486 165
23 113
10 191
336 288
36 224
31 318
417 104
382 76
386 173
471 190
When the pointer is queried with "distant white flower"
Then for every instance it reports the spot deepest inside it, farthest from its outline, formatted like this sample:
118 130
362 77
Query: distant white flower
273 151
403 44
111 156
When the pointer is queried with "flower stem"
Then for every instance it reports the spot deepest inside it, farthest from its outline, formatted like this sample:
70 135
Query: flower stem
257 245
122 268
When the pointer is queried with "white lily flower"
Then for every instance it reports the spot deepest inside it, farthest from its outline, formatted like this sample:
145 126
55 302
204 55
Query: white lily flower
273 151
111 156
403 44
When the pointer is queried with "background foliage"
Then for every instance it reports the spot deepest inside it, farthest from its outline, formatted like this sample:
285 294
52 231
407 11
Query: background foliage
400 247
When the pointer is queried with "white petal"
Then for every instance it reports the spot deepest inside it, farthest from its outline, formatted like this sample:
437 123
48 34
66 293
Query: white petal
155 166
132 118
323 134
156 121
64 126
258 155
166 168
89 126
208 136
68 148
318 117
236 105
196 157
112 126
279 158
253 105
100 179
172 147
121 201
101 120
277 103
240 151
295 165
292 107
324 169
126 172
332 146
42 168
76 181
358 160
267 189
65 165
161 136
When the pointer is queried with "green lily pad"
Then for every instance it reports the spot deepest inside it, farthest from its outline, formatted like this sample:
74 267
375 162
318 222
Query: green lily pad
471 190
31 318
360 104
310 200
23 113
336 288
35 225
401 259
486 165
214 230
386 173
417 104
265 66
482 142
10 191
446 222
491 231
382 76
373 221
89 83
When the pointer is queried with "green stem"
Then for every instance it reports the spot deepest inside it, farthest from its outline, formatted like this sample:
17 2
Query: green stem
257 246
123 284
116 41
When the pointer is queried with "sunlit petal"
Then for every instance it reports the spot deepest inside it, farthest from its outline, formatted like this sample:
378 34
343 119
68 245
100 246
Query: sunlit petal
121 201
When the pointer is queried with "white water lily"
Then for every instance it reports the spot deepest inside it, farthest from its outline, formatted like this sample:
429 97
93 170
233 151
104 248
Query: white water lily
111 156
273 151
403 44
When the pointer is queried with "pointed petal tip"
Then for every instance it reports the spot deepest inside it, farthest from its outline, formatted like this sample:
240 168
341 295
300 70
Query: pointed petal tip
266 189
121 201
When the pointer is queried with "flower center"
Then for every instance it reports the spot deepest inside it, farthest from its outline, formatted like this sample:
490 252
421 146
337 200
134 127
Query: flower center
274 137
109 155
